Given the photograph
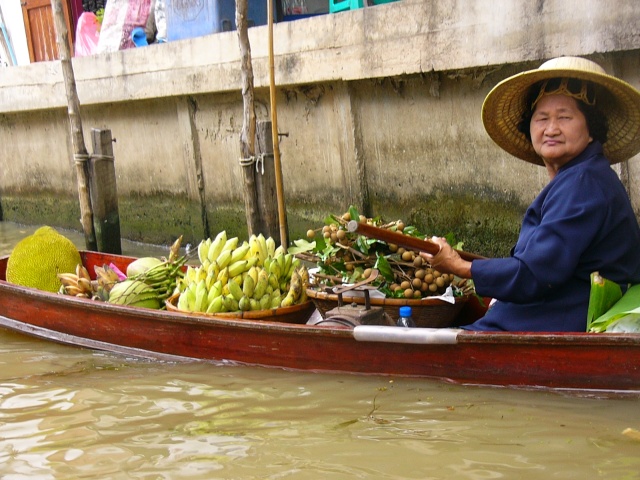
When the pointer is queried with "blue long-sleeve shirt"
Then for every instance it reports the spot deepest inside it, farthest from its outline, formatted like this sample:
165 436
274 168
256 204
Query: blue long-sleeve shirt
581 222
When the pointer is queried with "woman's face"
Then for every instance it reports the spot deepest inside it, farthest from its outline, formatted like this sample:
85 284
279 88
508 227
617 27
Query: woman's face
559 130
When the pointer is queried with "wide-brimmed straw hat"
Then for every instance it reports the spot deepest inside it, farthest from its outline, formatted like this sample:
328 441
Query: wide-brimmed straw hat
617 100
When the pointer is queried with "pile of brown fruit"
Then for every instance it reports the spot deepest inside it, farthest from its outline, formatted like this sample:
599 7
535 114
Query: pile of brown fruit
345 257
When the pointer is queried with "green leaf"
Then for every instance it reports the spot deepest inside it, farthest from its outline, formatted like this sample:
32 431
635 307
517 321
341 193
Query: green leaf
302 246
384 268
603 295
629 304
353 213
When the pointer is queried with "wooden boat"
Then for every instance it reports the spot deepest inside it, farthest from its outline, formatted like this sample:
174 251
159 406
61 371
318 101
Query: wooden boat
582 362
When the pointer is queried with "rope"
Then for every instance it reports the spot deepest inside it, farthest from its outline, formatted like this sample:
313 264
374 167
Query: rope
81 158
107 158
257 159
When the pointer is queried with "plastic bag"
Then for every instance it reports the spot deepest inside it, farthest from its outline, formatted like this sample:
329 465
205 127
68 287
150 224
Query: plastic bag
120 18
87 34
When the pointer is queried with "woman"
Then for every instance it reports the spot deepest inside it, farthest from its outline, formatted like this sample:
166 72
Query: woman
575 120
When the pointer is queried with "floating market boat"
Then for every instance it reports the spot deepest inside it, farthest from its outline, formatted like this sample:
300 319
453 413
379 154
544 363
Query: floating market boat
583 362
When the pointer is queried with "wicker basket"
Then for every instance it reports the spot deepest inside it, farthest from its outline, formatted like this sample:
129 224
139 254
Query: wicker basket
299 314
427 312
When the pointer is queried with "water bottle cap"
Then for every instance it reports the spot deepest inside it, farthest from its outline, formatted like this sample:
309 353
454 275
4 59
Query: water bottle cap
405 311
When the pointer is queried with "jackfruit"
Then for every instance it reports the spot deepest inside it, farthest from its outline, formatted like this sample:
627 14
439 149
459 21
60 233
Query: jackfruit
37 260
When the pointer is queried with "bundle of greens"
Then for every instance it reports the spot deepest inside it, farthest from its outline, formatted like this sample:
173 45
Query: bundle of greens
610 310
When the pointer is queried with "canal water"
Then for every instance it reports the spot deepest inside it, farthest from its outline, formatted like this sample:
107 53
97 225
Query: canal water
68 413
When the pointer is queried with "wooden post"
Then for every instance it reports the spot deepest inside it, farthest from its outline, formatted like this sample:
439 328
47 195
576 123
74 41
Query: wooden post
247 136
80 155
282 214
266 181
104 193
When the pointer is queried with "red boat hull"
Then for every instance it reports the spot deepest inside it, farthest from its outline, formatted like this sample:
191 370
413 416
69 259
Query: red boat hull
565 361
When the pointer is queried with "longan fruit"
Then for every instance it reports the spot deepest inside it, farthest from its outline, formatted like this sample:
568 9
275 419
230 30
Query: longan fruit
341 234
367 274
407 256
408 293
428 278
393 248
418 261
405 284
311 233
417 294
420 273
416 282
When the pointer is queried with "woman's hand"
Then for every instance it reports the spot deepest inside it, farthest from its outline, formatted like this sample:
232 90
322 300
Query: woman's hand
447 259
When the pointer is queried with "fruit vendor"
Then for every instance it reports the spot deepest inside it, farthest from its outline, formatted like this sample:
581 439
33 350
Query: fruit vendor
573 119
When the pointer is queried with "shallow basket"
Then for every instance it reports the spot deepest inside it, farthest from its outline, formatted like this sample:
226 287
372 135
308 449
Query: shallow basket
427 312
299 314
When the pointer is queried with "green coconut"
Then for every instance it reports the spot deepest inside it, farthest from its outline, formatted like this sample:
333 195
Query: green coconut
37 260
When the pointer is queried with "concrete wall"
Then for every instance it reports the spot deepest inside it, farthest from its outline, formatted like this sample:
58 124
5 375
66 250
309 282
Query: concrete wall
380 107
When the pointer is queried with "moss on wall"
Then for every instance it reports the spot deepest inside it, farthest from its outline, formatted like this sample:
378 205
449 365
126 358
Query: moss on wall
41 208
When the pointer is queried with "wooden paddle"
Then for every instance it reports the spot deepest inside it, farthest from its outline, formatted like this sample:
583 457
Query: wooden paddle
402 240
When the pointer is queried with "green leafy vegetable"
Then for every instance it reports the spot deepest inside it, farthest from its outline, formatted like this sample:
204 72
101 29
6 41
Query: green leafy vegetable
623 316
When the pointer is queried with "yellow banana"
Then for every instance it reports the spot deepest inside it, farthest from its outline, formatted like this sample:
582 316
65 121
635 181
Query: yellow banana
273 281
288 301
253 273
201 297
237 268
262 243
239 252
68 279
217 245
295 289
203 249
248 286
261 285
254 304
82 272
224 259
223 276
271 247
230 244
215 306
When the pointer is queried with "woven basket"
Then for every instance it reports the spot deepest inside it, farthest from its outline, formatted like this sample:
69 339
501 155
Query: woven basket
299 314
427 312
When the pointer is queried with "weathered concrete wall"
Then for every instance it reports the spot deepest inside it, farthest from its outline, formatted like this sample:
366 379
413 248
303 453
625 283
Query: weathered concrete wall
381 107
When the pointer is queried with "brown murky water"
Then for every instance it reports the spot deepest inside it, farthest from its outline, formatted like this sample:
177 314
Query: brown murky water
69 413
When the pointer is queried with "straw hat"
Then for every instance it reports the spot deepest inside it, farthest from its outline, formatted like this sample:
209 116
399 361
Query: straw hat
620 103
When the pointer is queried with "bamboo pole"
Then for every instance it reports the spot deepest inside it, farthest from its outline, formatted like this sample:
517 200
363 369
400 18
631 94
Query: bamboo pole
80 155
282 214
248 134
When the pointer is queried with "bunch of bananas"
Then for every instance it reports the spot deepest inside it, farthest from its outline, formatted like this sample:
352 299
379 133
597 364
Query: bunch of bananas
77 284
159 280
233 277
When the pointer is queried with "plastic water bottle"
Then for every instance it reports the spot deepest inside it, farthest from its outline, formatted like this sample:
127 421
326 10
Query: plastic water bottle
405 319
